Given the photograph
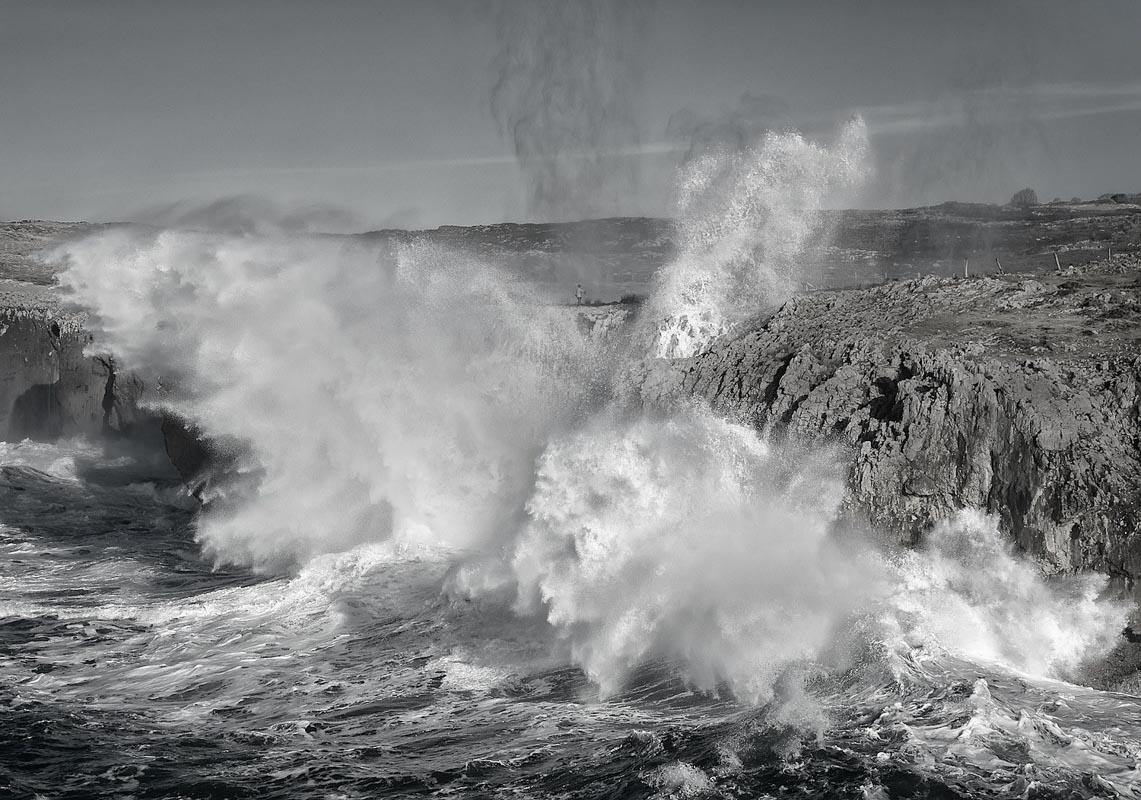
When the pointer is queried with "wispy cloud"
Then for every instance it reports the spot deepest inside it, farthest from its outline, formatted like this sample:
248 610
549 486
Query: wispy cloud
1043 102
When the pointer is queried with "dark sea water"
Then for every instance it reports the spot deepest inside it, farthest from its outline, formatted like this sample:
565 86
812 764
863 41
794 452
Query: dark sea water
453 546
132 668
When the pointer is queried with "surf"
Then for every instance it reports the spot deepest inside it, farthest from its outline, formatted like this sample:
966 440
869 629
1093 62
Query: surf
441 483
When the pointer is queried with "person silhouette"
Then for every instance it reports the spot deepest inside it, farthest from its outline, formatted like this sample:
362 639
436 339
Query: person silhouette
578 295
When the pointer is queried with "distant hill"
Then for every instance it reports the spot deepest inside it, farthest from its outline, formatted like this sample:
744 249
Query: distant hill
618 256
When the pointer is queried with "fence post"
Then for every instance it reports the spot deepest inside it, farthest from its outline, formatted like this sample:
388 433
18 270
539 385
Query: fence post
966 268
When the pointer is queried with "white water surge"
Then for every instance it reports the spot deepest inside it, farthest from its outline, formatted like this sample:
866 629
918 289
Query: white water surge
425 400
745 221
368 394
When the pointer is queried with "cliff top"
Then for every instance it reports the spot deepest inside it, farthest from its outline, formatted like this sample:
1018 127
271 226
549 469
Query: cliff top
27 283
1092 312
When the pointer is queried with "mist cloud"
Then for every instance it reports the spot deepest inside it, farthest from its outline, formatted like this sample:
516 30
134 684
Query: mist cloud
982 137
562 97
733 129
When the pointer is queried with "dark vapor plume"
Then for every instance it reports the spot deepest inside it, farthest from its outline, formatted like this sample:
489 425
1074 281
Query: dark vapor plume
992 144
563 98
984 136
731 130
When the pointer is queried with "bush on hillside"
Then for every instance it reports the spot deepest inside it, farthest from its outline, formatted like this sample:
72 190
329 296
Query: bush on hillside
1024 198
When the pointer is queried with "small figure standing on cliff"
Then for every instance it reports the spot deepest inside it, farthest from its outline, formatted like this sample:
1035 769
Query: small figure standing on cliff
578 295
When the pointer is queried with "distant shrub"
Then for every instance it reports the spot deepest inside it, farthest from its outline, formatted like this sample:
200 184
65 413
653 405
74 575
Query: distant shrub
1024 198
631 299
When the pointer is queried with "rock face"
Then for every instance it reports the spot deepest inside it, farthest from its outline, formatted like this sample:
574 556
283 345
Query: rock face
1020 396
48 387
602 322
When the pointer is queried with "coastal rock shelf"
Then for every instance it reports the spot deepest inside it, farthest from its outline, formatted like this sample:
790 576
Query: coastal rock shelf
1015 395
50 387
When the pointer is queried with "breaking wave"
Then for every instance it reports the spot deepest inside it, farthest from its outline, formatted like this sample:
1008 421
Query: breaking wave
364 394
745 220
416 397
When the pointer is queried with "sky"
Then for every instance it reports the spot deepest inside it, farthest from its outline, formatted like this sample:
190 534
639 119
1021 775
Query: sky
430 112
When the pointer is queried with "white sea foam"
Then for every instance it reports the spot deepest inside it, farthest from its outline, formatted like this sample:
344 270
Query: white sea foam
59 460
745 220
691 539
425 400
967 592
680 780
372 396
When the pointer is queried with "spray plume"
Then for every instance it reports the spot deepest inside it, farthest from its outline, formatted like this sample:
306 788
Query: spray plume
374 394
425 399
563 98
745 219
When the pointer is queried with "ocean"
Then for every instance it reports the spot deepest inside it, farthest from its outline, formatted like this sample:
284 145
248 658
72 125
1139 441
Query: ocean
444 548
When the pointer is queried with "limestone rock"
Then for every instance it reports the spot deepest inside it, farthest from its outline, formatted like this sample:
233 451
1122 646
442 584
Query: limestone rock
49 386
1021 397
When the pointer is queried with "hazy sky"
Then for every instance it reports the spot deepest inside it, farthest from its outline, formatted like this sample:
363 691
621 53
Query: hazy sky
111 107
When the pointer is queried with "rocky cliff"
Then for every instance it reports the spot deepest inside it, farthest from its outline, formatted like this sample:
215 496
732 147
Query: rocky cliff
1017 394
1014 394
49 386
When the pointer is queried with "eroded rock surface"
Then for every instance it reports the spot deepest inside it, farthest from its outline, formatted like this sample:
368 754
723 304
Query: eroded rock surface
1017 395
49 386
